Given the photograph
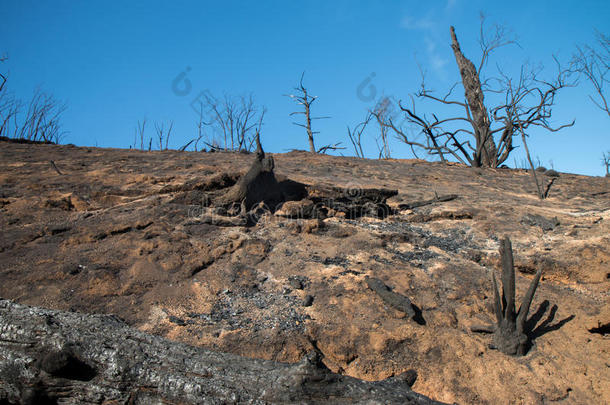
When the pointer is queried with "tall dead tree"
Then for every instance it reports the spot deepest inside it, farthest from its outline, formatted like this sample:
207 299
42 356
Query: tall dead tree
606 162
477 134
594 64
306 100
486 152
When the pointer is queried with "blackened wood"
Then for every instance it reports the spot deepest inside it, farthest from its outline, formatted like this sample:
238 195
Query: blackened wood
49 356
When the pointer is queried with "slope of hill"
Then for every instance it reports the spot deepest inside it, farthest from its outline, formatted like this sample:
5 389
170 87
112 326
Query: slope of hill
137 234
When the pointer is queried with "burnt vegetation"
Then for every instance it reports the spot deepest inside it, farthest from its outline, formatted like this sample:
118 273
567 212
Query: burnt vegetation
513 332
480 134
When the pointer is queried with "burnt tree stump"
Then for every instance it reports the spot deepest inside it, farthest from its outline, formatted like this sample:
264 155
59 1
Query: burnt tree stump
509 333
257 185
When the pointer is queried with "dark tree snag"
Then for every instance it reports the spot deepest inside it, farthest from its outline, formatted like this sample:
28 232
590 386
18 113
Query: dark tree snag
257 185
49 356
486 147
509 334
397 301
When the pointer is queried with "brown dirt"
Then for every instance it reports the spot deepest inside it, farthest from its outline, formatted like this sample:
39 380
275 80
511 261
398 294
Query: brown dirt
119 232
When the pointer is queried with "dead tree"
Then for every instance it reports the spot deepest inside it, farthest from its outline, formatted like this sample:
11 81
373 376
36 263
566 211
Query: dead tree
234 119
355 135
9 111
480 135
42 120
306 100
200 125
139 132
162 134
49 357
594 64
382 113
510 335
606 162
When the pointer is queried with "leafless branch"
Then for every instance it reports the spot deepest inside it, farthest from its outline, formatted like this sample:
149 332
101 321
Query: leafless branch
10 108
234 119
492 40
163 134
140 132
606 162
594 64
42 121
326 148
355 135
2 77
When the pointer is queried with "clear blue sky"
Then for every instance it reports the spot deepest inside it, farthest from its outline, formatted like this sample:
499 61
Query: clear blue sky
114 62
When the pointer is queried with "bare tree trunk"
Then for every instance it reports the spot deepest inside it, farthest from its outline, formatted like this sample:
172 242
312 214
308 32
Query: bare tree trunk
312 147
486 153
49 357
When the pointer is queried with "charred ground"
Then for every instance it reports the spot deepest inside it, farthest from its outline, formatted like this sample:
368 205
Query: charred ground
137 234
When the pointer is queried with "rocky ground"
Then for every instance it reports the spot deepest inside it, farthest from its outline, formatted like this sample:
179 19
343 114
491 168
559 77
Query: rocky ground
136 234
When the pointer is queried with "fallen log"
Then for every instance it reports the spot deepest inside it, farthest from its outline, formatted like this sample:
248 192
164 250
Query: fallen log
394 300
49 356
421 203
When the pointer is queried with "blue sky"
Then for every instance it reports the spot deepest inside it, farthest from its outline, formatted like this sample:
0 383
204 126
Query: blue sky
114 63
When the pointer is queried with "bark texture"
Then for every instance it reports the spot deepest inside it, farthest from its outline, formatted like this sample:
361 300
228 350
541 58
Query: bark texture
486 152
50 357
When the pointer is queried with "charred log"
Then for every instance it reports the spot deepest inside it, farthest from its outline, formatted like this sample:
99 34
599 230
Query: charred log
49 356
